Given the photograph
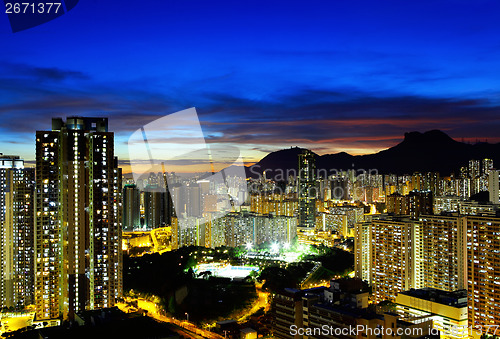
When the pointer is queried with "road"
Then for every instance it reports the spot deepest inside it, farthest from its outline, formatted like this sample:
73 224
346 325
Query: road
196 332
262 302
188 329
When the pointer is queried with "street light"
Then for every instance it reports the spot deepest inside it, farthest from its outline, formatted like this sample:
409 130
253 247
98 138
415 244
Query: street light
187 316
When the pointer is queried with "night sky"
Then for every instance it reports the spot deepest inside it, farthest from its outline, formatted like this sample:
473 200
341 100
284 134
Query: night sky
263 75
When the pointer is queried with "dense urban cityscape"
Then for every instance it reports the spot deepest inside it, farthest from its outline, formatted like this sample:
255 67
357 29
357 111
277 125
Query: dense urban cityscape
250 169
305 255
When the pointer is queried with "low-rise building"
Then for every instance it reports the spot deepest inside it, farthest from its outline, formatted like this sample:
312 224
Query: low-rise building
339 311
447 310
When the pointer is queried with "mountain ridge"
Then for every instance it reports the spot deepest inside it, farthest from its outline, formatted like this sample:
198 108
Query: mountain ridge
430 151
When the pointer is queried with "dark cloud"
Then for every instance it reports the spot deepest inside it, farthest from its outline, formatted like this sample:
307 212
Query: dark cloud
316 117
57 74
24 94
335 119
263 150
40 73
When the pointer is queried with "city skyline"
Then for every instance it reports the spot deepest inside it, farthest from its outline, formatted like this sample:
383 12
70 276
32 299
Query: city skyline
330 77
423 234
250 170
194 164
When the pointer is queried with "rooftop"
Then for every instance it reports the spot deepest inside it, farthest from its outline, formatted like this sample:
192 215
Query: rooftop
455 299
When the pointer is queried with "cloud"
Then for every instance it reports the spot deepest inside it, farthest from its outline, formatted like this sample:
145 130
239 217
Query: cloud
325 118
57 74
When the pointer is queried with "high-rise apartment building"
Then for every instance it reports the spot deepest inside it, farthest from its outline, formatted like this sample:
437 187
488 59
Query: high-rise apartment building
17 186
395 254
233 229
474 167
444 248
273 203
486 168
131 207
413 204
394 264
449 203
474 175
494 185
431 183
444 252
191 231
78 218
193 200
157 207
307 193
339 188
362 251
483 270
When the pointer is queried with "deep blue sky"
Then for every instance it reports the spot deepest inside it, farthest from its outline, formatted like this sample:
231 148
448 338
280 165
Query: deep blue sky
329 75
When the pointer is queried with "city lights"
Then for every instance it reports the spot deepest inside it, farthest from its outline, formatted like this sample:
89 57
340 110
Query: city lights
232 170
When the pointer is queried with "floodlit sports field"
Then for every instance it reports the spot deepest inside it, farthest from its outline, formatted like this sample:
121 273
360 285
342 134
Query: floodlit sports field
226 271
